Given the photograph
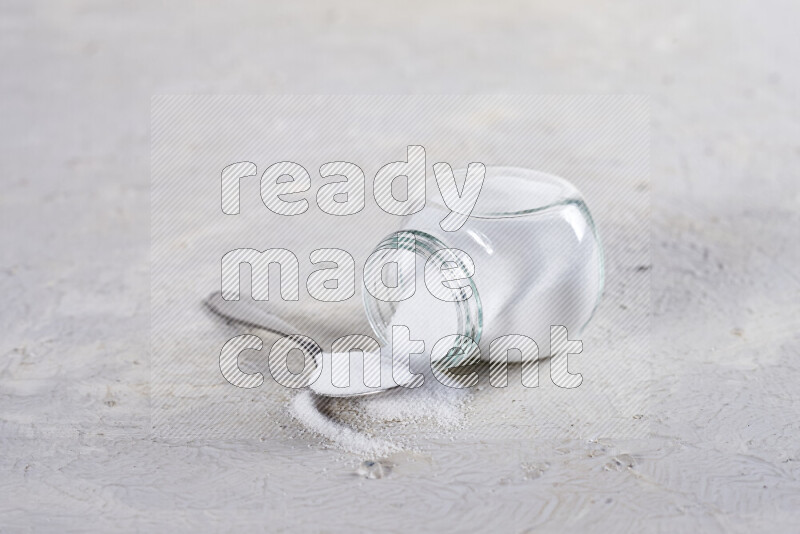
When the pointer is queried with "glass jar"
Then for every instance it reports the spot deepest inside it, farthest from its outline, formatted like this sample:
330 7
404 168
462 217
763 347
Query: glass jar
537 259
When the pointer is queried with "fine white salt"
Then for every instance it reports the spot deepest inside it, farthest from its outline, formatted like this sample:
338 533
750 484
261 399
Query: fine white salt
305 408
441 408
350 374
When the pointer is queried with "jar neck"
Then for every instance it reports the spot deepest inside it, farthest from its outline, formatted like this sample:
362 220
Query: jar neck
466 299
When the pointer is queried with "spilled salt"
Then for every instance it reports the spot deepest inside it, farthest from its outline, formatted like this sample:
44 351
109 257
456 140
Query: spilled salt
305 408
442 406
347 375
426 320
432 407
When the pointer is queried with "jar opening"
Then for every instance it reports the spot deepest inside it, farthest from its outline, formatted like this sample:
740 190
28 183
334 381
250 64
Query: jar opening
465 316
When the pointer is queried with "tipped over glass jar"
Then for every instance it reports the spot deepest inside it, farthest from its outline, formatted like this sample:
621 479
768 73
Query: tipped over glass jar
532 259
528 257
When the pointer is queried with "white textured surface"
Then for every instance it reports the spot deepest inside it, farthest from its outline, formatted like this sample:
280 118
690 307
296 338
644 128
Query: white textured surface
77 79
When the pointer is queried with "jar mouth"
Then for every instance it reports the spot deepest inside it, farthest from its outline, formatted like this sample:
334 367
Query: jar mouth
469 311
516 192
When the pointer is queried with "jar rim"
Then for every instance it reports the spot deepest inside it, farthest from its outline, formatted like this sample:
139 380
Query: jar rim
469 311
513 181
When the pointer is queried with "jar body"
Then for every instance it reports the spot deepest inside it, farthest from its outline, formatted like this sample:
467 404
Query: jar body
537 259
